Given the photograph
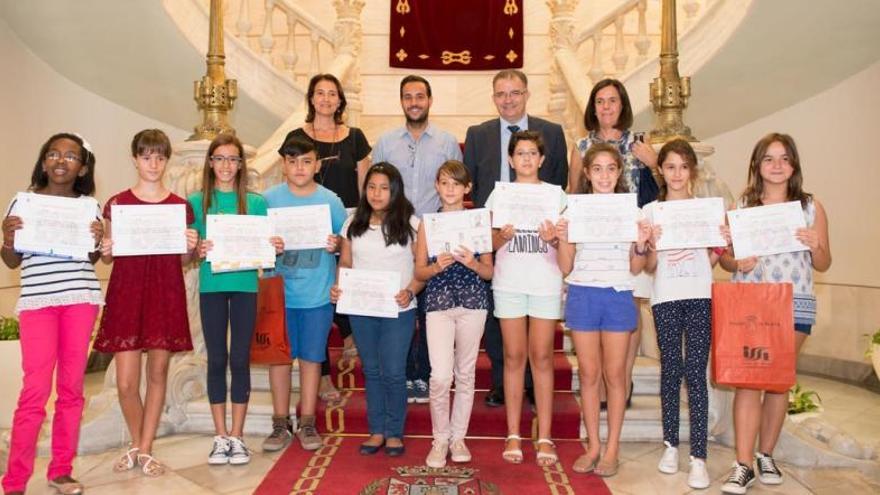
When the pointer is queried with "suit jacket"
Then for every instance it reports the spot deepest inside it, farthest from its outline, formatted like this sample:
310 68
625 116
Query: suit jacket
482 155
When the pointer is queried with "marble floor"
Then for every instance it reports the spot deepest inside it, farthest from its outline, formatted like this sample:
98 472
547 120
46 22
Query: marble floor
847 407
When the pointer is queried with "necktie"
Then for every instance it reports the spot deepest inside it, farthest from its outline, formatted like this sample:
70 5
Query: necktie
513 129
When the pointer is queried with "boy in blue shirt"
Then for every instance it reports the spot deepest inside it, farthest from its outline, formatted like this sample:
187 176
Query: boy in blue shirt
308 275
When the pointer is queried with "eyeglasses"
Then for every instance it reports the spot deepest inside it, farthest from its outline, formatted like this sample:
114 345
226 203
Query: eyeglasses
69 157
501 95
219 159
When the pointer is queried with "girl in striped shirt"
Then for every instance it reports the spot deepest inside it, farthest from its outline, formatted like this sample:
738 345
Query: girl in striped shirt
600 311
57 308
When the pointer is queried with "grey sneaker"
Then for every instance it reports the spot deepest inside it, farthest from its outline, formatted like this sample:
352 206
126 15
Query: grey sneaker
421 395
308 435
238 452
219 452
282 433
459 450
410 392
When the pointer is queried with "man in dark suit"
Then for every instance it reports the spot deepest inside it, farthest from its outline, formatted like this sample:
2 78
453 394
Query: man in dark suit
485 155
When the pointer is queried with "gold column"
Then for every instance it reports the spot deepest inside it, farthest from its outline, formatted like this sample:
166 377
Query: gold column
670 91
214 94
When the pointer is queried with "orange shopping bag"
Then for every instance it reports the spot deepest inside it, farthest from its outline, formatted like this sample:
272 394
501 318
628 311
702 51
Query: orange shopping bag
753 336
270 344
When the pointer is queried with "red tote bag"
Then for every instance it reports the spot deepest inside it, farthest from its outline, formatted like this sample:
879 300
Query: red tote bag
753 343
270 344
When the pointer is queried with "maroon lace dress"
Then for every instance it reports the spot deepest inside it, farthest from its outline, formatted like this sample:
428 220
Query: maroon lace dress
146 298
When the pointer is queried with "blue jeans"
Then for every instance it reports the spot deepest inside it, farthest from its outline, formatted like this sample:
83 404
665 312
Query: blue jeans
418 365
383 344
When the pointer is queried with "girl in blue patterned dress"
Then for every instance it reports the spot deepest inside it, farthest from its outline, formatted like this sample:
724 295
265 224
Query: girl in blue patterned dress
457 299
775 177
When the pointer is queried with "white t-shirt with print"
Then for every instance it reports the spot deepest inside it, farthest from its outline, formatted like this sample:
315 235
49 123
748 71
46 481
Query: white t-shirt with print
369 252
681 273
526 264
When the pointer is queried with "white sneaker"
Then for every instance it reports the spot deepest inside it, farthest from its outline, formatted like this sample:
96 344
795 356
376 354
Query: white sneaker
699 476
238 452
669 462
437 455
219 452
460 452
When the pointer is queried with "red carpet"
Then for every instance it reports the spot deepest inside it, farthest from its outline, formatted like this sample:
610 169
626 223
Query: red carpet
338 468
349 417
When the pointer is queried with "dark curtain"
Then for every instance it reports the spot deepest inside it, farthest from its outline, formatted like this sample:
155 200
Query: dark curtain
456 34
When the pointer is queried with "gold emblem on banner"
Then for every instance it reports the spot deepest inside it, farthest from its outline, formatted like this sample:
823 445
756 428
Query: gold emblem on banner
401 55
462 57
424 56
511 55
489 57
402 31
509 33
403 7
510 7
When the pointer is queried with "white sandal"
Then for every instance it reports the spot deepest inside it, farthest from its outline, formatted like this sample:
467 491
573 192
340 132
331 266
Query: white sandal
127 461
545 459
151 467
513 456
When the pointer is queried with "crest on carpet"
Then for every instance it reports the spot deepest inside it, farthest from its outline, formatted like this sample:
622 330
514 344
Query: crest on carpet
423 480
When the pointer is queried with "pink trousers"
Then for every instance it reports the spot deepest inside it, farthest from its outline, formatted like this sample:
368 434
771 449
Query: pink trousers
453 344
53 337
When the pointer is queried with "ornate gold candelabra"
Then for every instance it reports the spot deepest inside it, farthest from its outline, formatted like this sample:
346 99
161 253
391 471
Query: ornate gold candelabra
670 91
214 94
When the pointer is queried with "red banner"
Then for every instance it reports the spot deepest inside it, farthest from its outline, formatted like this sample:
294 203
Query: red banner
456 34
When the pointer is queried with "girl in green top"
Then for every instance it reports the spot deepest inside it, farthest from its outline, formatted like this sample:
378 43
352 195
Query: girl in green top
227 299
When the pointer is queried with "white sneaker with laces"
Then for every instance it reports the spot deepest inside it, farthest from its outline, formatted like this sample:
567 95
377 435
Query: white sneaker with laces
669 462
459 451
437 455
219 452
238 452
698 477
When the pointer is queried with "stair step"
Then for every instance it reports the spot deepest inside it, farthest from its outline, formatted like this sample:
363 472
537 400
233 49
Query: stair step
642 422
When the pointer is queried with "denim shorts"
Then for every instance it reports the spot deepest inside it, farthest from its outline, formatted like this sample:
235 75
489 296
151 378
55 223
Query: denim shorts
803 328
600 309
308 330
518 305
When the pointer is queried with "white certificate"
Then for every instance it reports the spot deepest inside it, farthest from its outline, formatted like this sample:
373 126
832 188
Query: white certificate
368 292
690 223
240 242
302 227
447 231
763 230
602 218
55 225
525 206
148 229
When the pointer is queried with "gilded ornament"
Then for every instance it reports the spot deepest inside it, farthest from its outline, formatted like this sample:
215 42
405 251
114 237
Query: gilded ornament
424 56
403 7
401 54
510 7
462 57
511 56
402 31
510 33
